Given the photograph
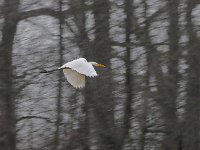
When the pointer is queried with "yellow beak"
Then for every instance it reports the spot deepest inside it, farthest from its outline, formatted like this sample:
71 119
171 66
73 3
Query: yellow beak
100 65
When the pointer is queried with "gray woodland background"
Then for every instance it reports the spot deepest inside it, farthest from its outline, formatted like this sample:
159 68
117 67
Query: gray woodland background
147 98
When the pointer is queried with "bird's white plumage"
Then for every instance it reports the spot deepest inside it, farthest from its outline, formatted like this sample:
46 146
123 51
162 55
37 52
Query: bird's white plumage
76 70
74 78
81 66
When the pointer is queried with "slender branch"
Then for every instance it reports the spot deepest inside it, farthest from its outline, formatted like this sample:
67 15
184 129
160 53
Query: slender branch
43 11
156 14
34 117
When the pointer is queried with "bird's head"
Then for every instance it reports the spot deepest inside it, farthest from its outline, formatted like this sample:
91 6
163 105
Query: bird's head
97 64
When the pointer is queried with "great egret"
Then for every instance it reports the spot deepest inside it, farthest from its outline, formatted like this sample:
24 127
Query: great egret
76 70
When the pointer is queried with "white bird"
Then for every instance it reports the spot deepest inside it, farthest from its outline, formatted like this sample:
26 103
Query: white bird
76 70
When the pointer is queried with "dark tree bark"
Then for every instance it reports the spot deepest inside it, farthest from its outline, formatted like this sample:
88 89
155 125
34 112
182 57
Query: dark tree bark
126 126
167 86
171 81
128 64
60 74
103 100
143 122
83 42
192 114
7 105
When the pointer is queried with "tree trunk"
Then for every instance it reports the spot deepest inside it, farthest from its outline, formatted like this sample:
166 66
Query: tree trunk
128 4
83 42
103 101
7 105
171 82
192 114
60 74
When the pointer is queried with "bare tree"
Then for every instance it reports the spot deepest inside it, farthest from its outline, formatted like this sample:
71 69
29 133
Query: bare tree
12 16
128 4
59 95
7 105
103 100
192 113
157 99
171 83
78 8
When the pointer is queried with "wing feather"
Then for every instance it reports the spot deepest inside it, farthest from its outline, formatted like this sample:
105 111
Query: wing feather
81 66
74 78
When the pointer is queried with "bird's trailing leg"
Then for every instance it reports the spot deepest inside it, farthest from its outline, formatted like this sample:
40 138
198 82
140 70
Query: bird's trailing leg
48 71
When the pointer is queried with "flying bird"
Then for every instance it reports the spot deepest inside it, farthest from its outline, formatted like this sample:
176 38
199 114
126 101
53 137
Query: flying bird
75 71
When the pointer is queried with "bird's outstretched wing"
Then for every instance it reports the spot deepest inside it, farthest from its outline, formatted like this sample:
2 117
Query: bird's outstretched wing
81 66
74 78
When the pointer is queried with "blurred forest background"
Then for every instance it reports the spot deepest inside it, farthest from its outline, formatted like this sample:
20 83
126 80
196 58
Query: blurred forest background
147 98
